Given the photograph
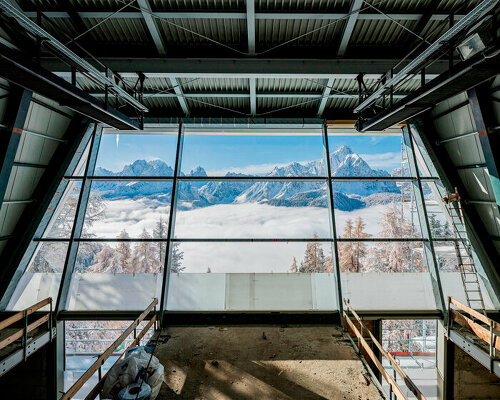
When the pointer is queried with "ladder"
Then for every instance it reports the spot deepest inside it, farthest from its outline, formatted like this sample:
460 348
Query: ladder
466 264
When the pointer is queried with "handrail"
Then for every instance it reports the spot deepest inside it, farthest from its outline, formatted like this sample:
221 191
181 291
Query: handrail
489 335
98 387
108 352
23 332
395 387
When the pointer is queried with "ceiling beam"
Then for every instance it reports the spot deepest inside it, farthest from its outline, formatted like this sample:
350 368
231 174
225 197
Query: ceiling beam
325 96
152 27
349 26
180 96
248 67
243 15
251 26
422 22
247 95
252 82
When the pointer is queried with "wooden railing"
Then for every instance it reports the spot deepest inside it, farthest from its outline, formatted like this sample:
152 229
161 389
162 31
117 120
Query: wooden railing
24 314
395 388
490 334
108 352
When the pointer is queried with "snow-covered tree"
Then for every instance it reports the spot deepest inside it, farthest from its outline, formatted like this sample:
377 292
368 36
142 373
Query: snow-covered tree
160 231
124 253
144 259
314 258
209 270
394 256
352 253
294 267
177 257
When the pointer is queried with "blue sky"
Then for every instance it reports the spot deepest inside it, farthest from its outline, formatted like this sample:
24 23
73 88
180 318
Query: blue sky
245 154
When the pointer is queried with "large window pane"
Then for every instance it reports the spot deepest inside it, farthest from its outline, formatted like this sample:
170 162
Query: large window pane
62 221
375 209
42 277
361 155
106 274
128 209
252 210
136 155
262 155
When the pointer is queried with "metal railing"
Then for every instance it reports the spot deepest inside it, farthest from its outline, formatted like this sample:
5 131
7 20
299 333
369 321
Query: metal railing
28 327
363 344
479 324
95 367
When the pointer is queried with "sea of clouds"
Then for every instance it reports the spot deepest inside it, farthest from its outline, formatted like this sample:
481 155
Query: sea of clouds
250 220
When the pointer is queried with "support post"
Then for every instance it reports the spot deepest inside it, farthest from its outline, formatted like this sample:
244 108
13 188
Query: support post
428 244
16 114
76 231
171 224
333 229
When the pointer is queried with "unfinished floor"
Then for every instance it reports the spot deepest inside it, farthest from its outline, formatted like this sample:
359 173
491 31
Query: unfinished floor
261 363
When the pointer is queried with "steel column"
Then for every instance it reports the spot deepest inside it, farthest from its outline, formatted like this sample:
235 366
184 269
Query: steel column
429 254
171 224
252 83
325 96
483 118
16 114
49 193
333 229
180 95
76 231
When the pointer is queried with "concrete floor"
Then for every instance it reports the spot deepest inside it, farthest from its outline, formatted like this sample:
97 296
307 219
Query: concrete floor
307 363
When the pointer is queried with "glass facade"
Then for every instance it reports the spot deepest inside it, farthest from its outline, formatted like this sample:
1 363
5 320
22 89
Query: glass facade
215 220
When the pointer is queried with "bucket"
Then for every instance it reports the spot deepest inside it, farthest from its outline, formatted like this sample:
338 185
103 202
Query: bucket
135 391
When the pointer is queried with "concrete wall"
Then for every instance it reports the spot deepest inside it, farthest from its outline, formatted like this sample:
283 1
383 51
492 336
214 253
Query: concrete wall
471 380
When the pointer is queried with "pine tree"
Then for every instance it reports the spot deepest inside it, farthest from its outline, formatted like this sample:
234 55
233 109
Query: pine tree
209 270
346 249
177 257
160 231
143 259
107 261
314 259
359 248
124 254
294 267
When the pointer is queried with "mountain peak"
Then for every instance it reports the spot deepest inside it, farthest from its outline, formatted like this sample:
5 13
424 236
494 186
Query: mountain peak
198 171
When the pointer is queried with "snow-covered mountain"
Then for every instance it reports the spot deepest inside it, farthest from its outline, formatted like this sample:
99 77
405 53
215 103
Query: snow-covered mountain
344 163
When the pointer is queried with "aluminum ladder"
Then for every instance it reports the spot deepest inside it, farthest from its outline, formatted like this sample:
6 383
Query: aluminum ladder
466 264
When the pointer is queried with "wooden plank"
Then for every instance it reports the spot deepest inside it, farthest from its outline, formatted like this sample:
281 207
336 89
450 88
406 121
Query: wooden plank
104 356
97 388
475 314
19 334
21 314
481 332
390 380
409 383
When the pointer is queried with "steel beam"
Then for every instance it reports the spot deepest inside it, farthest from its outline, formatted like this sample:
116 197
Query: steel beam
483 114
180 96
171 224
35 218
15 118
152 27
195 68
252 83
429 254
23 72
259 15
76 231
251 25
356 6
326 95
